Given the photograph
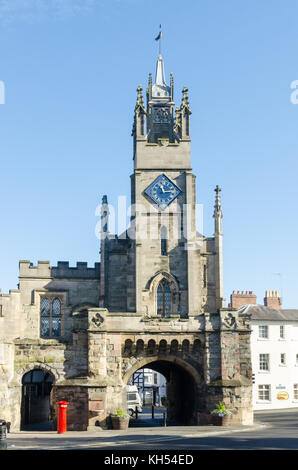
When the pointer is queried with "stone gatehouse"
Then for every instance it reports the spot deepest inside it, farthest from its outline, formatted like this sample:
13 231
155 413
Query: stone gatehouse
155 299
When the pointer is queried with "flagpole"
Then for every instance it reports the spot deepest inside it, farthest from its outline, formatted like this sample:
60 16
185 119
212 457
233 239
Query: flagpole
160 40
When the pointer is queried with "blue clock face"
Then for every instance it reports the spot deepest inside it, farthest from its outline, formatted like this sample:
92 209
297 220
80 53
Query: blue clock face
163 191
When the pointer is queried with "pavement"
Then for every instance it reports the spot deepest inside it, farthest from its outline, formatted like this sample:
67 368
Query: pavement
98 439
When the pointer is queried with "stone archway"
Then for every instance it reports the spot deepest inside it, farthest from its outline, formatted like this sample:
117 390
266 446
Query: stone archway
36 398
183 386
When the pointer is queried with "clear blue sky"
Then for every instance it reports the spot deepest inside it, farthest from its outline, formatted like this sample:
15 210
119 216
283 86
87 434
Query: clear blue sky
71 69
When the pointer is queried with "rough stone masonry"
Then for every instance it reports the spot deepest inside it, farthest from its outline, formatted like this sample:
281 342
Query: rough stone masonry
79 333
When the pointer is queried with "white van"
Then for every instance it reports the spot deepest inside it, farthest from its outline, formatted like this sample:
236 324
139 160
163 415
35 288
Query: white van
133 400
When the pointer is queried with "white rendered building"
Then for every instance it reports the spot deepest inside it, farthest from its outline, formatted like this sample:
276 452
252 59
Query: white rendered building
274 350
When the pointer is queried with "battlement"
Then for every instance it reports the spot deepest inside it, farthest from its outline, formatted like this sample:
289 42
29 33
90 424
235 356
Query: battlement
44 270
11 291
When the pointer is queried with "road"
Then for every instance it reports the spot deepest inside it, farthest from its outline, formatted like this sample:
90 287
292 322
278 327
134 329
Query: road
278 432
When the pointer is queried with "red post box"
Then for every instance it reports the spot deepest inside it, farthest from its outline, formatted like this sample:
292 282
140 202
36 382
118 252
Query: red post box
62 426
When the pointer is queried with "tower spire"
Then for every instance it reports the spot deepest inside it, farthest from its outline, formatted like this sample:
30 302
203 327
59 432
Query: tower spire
160 90
140 102
217 212
220 301
184 115
160 72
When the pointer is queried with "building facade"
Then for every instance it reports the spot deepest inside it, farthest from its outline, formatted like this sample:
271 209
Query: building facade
274 350
154 300
152 386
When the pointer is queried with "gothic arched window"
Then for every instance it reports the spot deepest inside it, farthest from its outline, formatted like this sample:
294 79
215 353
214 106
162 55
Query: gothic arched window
164 247
50 317
164 299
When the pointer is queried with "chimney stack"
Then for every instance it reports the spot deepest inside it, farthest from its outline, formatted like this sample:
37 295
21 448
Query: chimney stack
272 299
240 298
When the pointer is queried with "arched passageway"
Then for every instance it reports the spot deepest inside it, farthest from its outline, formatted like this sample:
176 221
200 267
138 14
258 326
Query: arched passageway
182 393
36 403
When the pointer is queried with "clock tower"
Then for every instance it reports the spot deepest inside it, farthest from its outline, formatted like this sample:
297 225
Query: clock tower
177 271
154 301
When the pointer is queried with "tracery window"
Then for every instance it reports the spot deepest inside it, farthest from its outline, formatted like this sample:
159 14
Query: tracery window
50 317
164 299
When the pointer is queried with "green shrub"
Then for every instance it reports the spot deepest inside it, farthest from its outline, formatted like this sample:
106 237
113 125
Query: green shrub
120 414
220 410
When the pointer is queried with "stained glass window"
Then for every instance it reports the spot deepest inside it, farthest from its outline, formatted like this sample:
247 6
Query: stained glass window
164 299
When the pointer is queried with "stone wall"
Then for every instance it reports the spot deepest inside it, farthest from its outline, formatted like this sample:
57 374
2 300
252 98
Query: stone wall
21 347
206 355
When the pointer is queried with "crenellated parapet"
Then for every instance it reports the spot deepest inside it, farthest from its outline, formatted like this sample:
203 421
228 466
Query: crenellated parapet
44 270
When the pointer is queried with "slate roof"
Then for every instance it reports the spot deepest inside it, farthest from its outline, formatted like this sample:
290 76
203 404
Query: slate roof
260 312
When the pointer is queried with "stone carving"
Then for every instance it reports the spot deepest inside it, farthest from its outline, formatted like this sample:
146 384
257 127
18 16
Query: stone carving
203 304
246 323
97 320
230 321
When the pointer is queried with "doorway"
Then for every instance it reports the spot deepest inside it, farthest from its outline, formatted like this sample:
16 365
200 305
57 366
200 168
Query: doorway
36 403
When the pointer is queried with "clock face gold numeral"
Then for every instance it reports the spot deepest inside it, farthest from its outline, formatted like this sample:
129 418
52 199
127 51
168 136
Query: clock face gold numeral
163 191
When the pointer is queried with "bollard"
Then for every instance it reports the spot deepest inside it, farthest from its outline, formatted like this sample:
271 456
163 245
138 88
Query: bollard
136 412
3 442
62 426
152 411
165 419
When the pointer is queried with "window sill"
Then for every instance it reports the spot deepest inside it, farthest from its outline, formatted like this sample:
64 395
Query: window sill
48 341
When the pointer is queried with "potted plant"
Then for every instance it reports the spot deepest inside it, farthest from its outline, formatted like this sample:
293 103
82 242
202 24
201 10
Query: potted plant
120 420
221 416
